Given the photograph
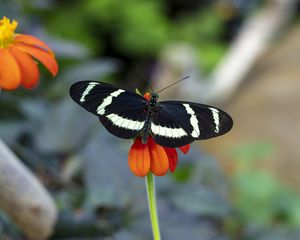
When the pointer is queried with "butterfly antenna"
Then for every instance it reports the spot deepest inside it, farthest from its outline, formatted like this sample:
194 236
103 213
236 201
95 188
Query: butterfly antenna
143 76
173 84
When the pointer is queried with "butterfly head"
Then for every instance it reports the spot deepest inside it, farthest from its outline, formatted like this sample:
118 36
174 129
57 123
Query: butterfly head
153 100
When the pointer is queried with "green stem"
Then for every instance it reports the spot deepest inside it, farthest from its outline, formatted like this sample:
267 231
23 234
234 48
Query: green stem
150 186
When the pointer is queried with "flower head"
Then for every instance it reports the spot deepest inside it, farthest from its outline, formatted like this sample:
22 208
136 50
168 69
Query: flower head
151 157
18 56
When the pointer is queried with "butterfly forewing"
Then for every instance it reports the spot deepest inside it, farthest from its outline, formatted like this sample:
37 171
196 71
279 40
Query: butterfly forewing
179 123
122 112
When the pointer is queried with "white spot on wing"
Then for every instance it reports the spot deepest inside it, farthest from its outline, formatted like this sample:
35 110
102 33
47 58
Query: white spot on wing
155 128
132 124
87 90
167 132
108 100
162 131
193 120
215 113
113 117
124 122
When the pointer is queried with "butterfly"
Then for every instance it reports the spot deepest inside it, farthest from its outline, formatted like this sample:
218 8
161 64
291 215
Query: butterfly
128 115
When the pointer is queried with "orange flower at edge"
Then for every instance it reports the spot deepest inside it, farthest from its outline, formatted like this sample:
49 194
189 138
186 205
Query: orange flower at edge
152 157
18 55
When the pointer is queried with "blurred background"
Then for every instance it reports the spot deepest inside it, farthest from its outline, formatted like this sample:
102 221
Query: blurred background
242 56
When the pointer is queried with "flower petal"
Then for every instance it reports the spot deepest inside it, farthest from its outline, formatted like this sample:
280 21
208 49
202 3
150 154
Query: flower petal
28 68
10 74
139 158
185 148
44 57
172 157
31 40
147 96
159 159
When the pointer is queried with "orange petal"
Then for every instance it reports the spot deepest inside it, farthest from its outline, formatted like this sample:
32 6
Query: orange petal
31 40
44 57
159 159
10 75
172 157
139 158
28 67
185 148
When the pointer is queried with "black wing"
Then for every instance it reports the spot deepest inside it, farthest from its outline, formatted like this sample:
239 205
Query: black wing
119 110
178 123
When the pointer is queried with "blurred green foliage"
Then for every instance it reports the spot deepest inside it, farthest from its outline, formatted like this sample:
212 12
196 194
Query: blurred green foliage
139 28
261 199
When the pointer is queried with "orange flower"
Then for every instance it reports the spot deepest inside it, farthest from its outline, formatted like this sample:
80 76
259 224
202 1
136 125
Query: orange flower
152 157
18 55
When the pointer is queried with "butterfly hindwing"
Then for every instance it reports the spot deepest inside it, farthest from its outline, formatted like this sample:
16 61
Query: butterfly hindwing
120 111
186 122
125 124
167 128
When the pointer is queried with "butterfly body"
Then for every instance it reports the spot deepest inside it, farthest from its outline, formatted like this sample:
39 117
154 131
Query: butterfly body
151 108
127 115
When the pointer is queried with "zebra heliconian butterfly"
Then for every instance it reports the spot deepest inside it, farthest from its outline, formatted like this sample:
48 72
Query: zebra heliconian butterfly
126 114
